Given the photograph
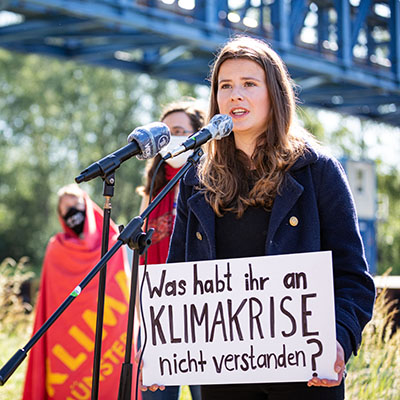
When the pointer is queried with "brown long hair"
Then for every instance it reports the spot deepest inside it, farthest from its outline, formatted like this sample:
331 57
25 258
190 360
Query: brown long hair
197 119
225 171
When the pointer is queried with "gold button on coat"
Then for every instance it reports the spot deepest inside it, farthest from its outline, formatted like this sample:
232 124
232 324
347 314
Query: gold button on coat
199 236
293 221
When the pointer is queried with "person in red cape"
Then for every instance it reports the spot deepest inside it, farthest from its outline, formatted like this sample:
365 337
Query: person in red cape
60 364
182 118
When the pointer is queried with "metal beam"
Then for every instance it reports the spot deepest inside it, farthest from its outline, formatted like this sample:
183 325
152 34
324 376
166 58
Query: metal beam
395 37
338 69
363 9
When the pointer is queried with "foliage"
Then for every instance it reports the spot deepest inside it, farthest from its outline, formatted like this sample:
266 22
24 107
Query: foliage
349 138
16 320
389 225
57 118
14 312
375 372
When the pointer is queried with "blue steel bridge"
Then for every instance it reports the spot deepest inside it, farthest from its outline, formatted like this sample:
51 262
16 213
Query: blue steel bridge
343 54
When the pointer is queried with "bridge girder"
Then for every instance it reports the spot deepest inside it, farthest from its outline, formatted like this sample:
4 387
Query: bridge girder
343 54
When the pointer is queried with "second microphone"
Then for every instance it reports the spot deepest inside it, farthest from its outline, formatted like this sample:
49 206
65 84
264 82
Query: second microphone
145 142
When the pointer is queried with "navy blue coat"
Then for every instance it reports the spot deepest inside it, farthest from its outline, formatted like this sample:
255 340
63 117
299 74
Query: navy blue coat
317 193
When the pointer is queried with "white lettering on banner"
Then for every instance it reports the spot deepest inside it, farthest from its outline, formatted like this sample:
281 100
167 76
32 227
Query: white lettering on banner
259 319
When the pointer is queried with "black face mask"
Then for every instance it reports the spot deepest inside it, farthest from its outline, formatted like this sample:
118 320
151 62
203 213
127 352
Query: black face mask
75 219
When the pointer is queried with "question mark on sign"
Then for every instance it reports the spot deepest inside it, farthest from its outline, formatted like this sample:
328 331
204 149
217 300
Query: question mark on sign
315 355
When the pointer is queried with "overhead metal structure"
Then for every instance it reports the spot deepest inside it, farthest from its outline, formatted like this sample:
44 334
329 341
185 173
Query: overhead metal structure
343 54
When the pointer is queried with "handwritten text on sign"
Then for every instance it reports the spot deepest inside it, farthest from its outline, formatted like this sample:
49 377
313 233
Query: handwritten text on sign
260 319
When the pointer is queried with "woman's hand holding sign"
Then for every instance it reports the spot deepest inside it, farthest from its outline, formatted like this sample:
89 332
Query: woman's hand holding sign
142 387
339 369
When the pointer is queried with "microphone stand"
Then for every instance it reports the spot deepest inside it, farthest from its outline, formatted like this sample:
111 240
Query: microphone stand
138 242
108 192
133 236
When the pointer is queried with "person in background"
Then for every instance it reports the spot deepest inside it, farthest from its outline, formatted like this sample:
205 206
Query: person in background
60 363
182 118
270 182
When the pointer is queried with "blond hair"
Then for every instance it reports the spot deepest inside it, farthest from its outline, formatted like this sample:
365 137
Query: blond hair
69 190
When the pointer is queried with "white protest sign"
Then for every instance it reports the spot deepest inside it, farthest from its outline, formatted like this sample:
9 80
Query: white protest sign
244 320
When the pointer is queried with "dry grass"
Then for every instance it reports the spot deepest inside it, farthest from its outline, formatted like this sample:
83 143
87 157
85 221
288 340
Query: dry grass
375 373
13 311
15 322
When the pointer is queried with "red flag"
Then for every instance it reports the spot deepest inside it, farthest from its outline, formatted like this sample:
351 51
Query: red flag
61 362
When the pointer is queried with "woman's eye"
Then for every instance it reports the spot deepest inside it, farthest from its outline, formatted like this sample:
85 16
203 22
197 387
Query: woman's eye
249 84
225 86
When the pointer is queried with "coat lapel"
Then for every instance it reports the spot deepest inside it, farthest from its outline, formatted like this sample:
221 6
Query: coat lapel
206 217
291 192
283 203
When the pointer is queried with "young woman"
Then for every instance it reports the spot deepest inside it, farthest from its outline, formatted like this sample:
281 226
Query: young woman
269 183
182 118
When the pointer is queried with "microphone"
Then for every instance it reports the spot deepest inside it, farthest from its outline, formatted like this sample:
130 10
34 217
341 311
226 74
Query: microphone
145 142
220 125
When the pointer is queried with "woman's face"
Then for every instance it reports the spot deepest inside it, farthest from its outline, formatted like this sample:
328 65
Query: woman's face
180 126
67 201
243 95
178 123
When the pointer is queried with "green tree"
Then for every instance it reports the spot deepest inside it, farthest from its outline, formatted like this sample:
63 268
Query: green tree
56 118
348 137
389 225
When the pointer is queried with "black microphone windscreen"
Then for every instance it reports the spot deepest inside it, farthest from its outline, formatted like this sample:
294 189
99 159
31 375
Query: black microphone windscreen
150 138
